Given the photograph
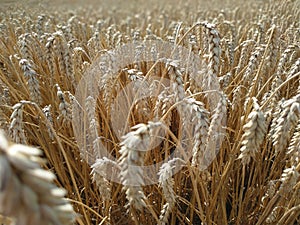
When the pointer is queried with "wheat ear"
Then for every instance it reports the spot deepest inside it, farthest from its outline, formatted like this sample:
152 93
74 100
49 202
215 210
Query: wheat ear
164 101
286 123
293 150
214 51
99 172
167 183
254 133
176 76
32 81
16 129
27 192
200 123
47 111
132 152
64 106
216 130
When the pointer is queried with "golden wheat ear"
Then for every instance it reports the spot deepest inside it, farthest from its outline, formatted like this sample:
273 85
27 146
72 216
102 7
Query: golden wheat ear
27 192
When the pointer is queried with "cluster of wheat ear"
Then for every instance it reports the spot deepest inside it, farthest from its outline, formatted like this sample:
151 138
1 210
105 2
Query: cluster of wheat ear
217 115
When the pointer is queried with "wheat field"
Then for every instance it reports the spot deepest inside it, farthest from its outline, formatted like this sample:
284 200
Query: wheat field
217 118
